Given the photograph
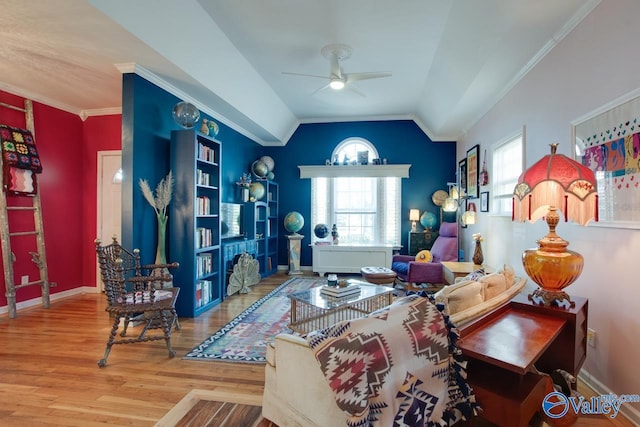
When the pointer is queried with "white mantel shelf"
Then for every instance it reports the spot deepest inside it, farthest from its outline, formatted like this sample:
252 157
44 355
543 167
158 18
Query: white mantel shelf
401 171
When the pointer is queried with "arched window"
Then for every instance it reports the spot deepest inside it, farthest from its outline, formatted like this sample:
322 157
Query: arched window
365 210
354 150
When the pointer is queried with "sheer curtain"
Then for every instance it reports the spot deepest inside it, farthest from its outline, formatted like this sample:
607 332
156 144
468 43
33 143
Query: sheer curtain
386 225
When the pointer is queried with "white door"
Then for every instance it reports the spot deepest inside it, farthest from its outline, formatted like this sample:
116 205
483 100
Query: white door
109 198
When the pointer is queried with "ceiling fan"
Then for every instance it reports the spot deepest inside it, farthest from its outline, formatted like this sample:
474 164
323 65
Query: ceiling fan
337 79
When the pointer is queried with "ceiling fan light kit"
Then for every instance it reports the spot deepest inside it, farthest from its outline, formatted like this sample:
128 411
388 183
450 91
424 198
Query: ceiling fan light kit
336 84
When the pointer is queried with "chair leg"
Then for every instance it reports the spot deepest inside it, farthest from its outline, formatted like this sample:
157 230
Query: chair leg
112 336
166 327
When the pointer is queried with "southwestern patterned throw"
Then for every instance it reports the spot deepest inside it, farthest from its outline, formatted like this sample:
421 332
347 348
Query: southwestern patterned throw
20 161
398 366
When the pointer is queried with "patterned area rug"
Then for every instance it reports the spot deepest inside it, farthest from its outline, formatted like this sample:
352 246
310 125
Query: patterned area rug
245 338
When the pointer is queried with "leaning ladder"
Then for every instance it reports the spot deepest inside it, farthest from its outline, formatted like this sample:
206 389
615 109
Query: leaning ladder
8 257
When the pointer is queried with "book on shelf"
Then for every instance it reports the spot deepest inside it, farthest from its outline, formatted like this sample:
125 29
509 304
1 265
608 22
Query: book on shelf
337 291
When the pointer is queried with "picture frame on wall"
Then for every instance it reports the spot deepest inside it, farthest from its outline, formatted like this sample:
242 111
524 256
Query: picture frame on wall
462 176
473 164
484 201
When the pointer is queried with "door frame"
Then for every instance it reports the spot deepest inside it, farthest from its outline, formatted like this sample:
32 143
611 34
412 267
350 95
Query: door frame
101 155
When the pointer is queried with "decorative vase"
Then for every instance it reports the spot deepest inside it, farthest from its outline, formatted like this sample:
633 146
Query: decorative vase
161 251
478 257
245 194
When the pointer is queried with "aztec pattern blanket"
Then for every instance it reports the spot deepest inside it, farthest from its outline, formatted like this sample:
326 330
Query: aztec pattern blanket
20 160
398 366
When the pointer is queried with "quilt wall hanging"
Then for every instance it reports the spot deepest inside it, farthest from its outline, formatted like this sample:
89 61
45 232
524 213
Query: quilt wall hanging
608 142
20 161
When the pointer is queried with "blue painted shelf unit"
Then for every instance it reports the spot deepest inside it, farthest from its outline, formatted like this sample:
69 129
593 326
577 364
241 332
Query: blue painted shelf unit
195 221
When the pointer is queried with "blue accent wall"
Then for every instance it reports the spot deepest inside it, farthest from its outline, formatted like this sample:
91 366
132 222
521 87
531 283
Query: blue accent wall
147 122
400 142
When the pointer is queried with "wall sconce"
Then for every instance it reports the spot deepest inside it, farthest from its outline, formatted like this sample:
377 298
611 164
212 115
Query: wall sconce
470 217
414 215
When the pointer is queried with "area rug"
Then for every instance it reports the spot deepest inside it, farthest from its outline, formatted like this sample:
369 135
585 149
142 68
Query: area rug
200 408
245 338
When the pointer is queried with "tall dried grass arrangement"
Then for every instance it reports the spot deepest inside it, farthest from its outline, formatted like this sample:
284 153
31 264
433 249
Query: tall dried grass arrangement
162 197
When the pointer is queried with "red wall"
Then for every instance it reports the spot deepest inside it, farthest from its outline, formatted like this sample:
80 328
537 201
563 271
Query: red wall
67 147
99 133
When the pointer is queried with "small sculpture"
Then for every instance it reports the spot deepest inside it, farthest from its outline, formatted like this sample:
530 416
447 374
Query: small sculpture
334 234
245 273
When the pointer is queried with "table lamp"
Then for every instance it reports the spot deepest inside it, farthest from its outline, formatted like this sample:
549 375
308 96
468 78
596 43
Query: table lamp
554 183
414 215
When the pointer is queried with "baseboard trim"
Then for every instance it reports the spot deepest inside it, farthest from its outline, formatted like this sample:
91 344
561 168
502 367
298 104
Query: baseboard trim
631 414
52 297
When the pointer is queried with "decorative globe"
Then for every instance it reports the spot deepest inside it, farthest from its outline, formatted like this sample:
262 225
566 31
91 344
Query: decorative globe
428 220
293 222
269 162
259 169
186 114
321 231
256 191
270 176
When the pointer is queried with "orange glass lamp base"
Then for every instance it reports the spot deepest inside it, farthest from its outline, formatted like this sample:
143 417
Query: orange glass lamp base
552 266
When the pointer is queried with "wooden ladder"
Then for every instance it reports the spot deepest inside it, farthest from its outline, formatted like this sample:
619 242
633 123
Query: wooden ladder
8 257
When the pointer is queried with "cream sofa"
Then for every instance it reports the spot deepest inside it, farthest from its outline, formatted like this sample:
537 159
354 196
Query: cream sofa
468 299
405 366
296 392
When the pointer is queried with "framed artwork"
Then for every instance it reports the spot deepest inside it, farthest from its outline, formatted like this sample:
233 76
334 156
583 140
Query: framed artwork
608 142
484 201
462 176
472 171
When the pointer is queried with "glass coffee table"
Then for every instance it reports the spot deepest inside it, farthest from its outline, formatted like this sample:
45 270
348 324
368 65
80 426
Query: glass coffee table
312 310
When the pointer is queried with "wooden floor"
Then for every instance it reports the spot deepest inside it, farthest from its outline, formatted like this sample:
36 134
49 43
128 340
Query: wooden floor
49 374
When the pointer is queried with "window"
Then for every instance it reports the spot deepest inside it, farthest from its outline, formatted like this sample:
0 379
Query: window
365 210
507 164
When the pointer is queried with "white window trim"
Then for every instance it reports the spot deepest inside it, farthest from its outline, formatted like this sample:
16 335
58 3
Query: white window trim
518 133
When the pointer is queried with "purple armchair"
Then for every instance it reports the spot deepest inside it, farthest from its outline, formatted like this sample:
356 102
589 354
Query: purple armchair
445 248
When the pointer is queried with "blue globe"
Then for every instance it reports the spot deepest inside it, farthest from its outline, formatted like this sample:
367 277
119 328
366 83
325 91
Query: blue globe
428 220
293 222
259 169
321 231
256 191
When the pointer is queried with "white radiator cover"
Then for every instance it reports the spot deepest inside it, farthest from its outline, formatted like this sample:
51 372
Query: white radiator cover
348 258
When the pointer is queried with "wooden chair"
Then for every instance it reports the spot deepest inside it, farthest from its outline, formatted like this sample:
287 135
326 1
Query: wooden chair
136 292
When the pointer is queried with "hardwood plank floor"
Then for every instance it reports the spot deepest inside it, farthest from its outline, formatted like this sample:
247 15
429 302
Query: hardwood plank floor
49 374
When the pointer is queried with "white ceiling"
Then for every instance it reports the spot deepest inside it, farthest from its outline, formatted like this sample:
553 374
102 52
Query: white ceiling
451 60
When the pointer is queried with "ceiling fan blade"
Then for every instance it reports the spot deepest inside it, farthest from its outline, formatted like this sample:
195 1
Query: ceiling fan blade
354 89
353 77
319 89
305 75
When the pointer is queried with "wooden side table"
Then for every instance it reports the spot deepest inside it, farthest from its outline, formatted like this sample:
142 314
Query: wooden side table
504 345
453 269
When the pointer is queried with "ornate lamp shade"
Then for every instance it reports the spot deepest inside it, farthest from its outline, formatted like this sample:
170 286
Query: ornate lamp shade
554 182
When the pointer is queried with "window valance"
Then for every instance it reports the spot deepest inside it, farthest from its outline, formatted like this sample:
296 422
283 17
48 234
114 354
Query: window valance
352 171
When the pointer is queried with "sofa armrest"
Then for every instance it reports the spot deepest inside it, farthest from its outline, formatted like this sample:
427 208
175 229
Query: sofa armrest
296 392
403 258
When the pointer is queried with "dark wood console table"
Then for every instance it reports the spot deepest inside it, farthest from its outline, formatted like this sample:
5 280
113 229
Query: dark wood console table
503 347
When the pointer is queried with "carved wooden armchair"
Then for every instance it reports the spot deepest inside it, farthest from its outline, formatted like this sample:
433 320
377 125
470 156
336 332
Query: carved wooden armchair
136 292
